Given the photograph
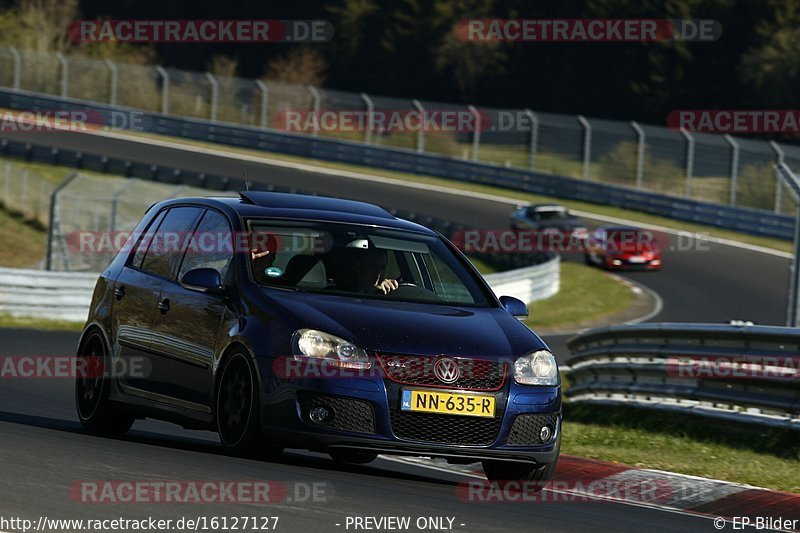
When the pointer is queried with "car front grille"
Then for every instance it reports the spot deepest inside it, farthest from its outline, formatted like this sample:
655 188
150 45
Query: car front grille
349 414
475 374
445 429
527 428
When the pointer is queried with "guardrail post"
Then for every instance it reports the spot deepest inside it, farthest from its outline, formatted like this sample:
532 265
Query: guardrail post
534 139
17 67
476 132
785 174
214 95
315 98
113 79
64 73
587 147
778 183
640 146
262 88
164 89
421 131
734 167
52 223
370 109
689 160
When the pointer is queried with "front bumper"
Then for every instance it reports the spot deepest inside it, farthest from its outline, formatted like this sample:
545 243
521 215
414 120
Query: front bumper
285 421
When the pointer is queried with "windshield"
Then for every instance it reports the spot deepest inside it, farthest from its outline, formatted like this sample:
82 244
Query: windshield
362 261
551 215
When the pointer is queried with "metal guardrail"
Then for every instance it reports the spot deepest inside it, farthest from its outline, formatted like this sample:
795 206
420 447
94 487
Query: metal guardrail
529 284
46 295
67 295
741 374
748 220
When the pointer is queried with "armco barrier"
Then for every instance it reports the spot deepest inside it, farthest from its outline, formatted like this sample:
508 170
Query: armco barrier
67 295
46 295
748 220
740 374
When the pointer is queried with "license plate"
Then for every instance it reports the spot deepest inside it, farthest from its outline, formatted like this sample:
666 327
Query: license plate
636 259
448 403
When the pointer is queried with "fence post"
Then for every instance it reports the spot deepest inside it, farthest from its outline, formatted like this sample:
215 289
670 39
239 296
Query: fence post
785 174
64 73
689 160
17 67
370 109
534 140
53 222
112 89
23 198
214 95
476 133
587 147
262 87
640 146
164 89
734 167
315 97
7 186
421 131
778 183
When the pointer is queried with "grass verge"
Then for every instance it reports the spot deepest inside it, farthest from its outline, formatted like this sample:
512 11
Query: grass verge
12 322
23 245
684 444
587 294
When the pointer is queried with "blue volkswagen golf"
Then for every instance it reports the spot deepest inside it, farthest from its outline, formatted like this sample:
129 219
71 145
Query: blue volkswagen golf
289 321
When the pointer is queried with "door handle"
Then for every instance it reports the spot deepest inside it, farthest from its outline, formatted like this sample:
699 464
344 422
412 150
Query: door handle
163 306
119 292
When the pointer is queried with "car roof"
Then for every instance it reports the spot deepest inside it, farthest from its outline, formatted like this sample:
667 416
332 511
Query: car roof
548 207
255 204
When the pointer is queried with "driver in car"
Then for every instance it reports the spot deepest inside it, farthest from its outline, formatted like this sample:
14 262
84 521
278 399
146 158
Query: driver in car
370 266
263 256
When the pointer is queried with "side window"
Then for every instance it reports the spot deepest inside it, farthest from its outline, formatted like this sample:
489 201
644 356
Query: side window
212 246
169 242
144 240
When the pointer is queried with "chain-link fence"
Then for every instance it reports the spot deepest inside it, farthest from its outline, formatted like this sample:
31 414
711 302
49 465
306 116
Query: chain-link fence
715 168
94 215
25 193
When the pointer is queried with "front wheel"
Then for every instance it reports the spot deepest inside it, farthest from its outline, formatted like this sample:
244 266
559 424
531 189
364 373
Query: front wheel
92 385
238 410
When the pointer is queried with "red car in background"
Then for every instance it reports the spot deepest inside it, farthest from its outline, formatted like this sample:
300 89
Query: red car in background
623 248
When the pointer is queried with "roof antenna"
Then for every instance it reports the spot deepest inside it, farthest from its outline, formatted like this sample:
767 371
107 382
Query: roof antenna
246 183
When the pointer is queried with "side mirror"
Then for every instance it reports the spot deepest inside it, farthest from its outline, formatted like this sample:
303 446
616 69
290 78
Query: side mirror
203 280
514 306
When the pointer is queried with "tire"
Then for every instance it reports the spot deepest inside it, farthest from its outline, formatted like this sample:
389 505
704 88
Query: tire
353 456
238 410
588 259
95 412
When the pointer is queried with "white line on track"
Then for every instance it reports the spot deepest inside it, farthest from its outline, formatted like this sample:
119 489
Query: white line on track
510 201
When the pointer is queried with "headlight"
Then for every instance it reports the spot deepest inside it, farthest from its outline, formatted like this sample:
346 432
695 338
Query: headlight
314 344
537 368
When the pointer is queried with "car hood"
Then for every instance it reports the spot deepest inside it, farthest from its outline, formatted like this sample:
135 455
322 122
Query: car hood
409 328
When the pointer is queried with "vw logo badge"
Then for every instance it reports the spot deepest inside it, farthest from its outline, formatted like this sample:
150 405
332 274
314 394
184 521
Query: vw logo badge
446 370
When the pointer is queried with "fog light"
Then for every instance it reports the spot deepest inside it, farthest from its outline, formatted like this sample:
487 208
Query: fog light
319 414
616 262
546 434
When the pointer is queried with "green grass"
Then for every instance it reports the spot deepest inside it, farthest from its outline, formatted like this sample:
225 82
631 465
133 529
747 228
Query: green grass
483 267
8 321
587 294
684 444
23 244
